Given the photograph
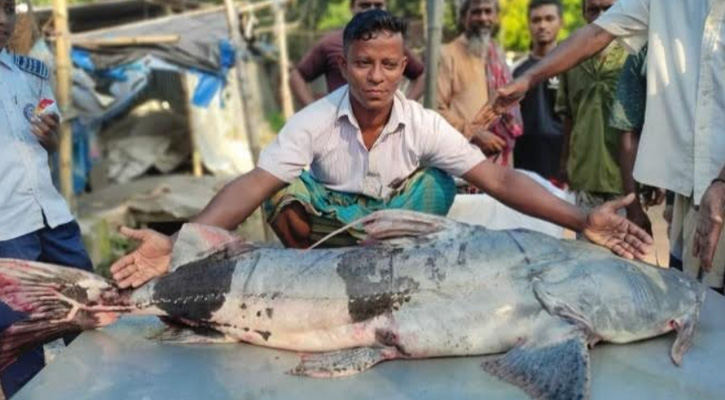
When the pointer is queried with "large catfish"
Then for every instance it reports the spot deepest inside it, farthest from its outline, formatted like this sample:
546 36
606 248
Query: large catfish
420 286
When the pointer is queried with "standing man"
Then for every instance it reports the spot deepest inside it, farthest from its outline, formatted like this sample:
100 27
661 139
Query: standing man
369 148
35 223
539 149
472 68
682 147
589 159
324 59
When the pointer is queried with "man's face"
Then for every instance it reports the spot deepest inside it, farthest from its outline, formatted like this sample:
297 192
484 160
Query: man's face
594 8
364 5
481 16
374 68
544 24
7 21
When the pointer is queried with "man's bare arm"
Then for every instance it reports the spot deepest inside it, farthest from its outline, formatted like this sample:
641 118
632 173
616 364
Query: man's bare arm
601 226
508 186
300 89
580 46
416 88
238 200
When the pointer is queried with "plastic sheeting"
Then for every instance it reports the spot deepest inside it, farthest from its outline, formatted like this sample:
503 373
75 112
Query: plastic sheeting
482 209
218 131
196 31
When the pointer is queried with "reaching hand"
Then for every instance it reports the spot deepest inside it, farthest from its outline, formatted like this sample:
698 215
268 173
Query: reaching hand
652 196
709 224
151 259
488 142
509 95
606 228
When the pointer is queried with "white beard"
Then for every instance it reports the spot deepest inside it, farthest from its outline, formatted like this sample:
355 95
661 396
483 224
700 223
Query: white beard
479 44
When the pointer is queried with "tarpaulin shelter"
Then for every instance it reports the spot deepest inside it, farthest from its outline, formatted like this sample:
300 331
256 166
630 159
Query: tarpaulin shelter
187 57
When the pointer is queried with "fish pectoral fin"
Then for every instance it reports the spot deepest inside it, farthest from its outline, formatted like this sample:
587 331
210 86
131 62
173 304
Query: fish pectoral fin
552 371
559 307
343 362
178 334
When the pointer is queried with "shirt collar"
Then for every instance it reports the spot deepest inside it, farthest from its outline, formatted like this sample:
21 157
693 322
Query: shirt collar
6 59
397 116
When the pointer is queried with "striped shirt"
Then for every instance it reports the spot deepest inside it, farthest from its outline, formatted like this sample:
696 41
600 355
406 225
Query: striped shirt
326 137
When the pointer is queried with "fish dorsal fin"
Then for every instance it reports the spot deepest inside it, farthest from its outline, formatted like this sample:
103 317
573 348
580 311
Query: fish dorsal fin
196 241
395 224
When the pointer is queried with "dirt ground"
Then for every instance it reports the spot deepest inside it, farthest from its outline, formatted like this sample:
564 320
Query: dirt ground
661 250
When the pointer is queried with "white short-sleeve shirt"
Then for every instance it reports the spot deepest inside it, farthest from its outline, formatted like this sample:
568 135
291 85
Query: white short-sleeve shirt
26 187
682 147
326 137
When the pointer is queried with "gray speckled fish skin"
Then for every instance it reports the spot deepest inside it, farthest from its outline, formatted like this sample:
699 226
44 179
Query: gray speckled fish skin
445 289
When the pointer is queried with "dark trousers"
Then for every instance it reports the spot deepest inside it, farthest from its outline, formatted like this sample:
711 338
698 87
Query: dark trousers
62 246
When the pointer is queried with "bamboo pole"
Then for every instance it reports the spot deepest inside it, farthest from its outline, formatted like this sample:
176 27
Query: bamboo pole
433 50
63 89
241 69
236 38
281 33
128 41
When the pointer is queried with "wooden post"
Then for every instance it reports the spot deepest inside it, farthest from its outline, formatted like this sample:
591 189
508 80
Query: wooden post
235 36
281 33
252 134
63 96
433 50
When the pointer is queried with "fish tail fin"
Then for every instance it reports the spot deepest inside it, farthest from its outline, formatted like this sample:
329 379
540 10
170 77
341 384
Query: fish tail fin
685 328
53 301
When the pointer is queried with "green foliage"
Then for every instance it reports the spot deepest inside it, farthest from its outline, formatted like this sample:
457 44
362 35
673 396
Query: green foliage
336 15
514 18
514 22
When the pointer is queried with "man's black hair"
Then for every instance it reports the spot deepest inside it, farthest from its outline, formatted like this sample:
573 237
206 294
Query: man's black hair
365 25
534 4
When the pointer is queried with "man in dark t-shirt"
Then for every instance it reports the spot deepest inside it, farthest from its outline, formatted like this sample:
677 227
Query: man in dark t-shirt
539 149
324 58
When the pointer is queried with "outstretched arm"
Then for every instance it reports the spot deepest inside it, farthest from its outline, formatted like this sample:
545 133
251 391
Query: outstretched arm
601 226
583 44
229 208
238 200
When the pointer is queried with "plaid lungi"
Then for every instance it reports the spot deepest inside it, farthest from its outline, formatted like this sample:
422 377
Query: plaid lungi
427 190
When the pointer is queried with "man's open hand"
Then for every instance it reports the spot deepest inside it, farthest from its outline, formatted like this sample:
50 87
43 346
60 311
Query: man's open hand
607 228
151 259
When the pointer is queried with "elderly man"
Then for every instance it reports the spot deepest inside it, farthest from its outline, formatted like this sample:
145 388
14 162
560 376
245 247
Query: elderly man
368 149
471 68
682 146
324 59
